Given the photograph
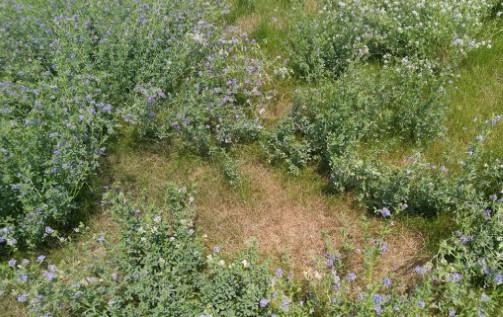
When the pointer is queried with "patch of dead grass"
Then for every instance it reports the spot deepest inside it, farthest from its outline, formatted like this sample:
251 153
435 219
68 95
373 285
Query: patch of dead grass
288 217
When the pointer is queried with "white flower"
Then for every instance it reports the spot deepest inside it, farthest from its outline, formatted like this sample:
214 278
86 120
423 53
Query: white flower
245 264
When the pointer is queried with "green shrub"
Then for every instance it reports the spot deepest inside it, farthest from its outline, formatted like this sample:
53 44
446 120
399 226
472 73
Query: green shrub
325 42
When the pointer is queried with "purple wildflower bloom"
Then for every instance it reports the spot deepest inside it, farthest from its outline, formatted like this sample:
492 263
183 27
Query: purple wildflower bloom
12 263
48 230
351 276
40 258
387 282
385 212
23 278
263 302
383 247
329 263
421 304
279 273
50 276
378 299
455 277
498 279
421 270
216 250
22 298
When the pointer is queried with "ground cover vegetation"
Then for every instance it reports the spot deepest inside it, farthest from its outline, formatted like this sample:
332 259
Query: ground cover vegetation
79 80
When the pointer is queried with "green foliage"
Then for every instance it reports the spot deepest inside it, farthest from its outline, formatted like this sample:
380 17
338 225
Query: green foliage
405 96
326 41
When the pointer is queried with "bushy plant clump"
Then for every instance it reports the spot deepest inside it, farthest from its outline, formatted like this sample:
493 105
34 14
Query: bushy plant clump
404 100
220 104
332 34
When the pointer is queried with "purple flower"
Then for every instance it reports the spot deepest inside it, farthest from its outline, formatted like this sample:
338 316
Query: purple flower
421 270
263 302
50 276
216 250
12 263
385 212
455 277
351 276
23 278
498 279
329 263
387 282
40 258
48 230
383 247
279 273
421 304
378 299
22 298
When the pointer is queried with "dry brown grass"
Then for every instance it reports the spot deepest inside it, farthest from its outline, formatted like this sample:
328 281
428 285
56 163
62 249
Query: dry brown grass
286 216
247 24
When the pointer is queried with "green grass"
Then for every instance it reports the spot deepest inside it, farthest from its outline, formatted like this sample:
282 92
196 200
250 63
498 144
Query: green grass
475 97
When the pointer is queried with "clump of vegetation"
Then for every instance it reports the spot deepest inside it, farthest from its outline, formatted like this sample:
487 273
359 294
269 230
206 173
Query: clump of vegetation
326 39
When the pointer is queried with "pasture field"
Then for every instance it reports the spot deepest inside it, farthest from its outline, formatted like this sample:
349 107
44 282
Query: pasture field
251 158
